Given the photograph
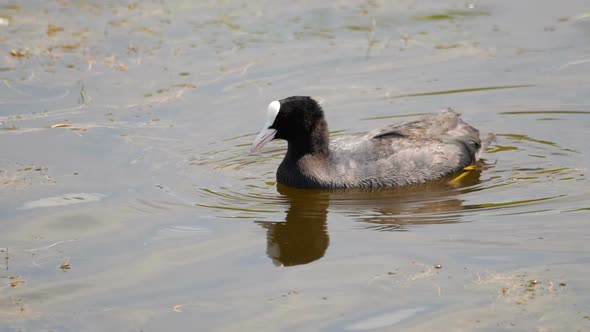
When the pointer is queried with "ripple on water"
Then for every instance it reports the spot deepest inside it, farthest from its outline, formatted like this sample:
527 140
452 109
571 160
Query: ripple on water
63 200
179 231
436 202
388 319
296 220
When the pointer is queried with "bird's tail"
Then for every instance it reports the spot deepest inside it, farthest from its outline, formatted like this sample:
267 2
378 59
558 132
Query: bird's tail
485 142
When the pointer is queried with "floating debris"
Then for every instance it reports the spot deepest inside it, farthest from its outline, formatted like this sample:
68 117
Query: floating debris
19 53
188 85
358 28
446 46
16 283
52 30
437 266
65 266
70 47
60 125
406 39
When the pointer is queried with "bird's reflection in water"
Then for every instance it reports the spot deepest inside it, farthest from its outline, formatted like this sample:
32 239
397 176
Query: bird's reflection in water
303 236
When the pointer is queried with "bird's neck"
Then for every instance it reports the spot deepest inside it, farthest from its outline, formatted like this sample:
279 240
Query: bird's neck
317 143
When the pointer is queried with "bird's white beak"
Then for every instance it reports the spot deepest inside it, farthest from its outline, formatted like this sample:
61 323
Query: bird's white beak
267 134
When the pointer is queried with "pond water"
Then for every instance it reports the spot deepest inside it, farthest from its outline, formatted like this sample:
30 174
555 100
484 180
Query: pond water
129 200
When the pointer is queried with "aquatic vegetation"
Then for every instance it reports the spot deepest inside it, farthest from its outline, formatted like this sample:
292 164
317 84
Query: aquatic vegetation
451 15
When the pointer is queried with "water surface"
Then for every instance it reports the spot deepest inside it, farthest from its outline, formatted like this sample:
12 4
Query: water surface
129 201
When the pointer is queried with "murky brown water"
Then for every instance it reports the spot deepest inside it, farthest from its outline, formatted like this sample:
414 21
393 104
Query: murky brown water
129 201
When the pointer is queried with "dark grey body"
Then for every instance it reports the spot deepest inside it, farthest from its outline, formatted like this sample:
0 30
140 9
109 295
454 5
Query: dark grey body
397 155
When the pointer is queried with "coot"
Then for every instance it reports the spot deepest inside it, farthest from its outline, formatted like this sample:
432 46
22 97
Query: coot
414 152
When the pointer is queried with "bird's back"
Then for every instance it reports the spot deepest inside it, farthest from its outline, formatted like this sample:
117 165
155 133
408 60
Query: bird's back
414 152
